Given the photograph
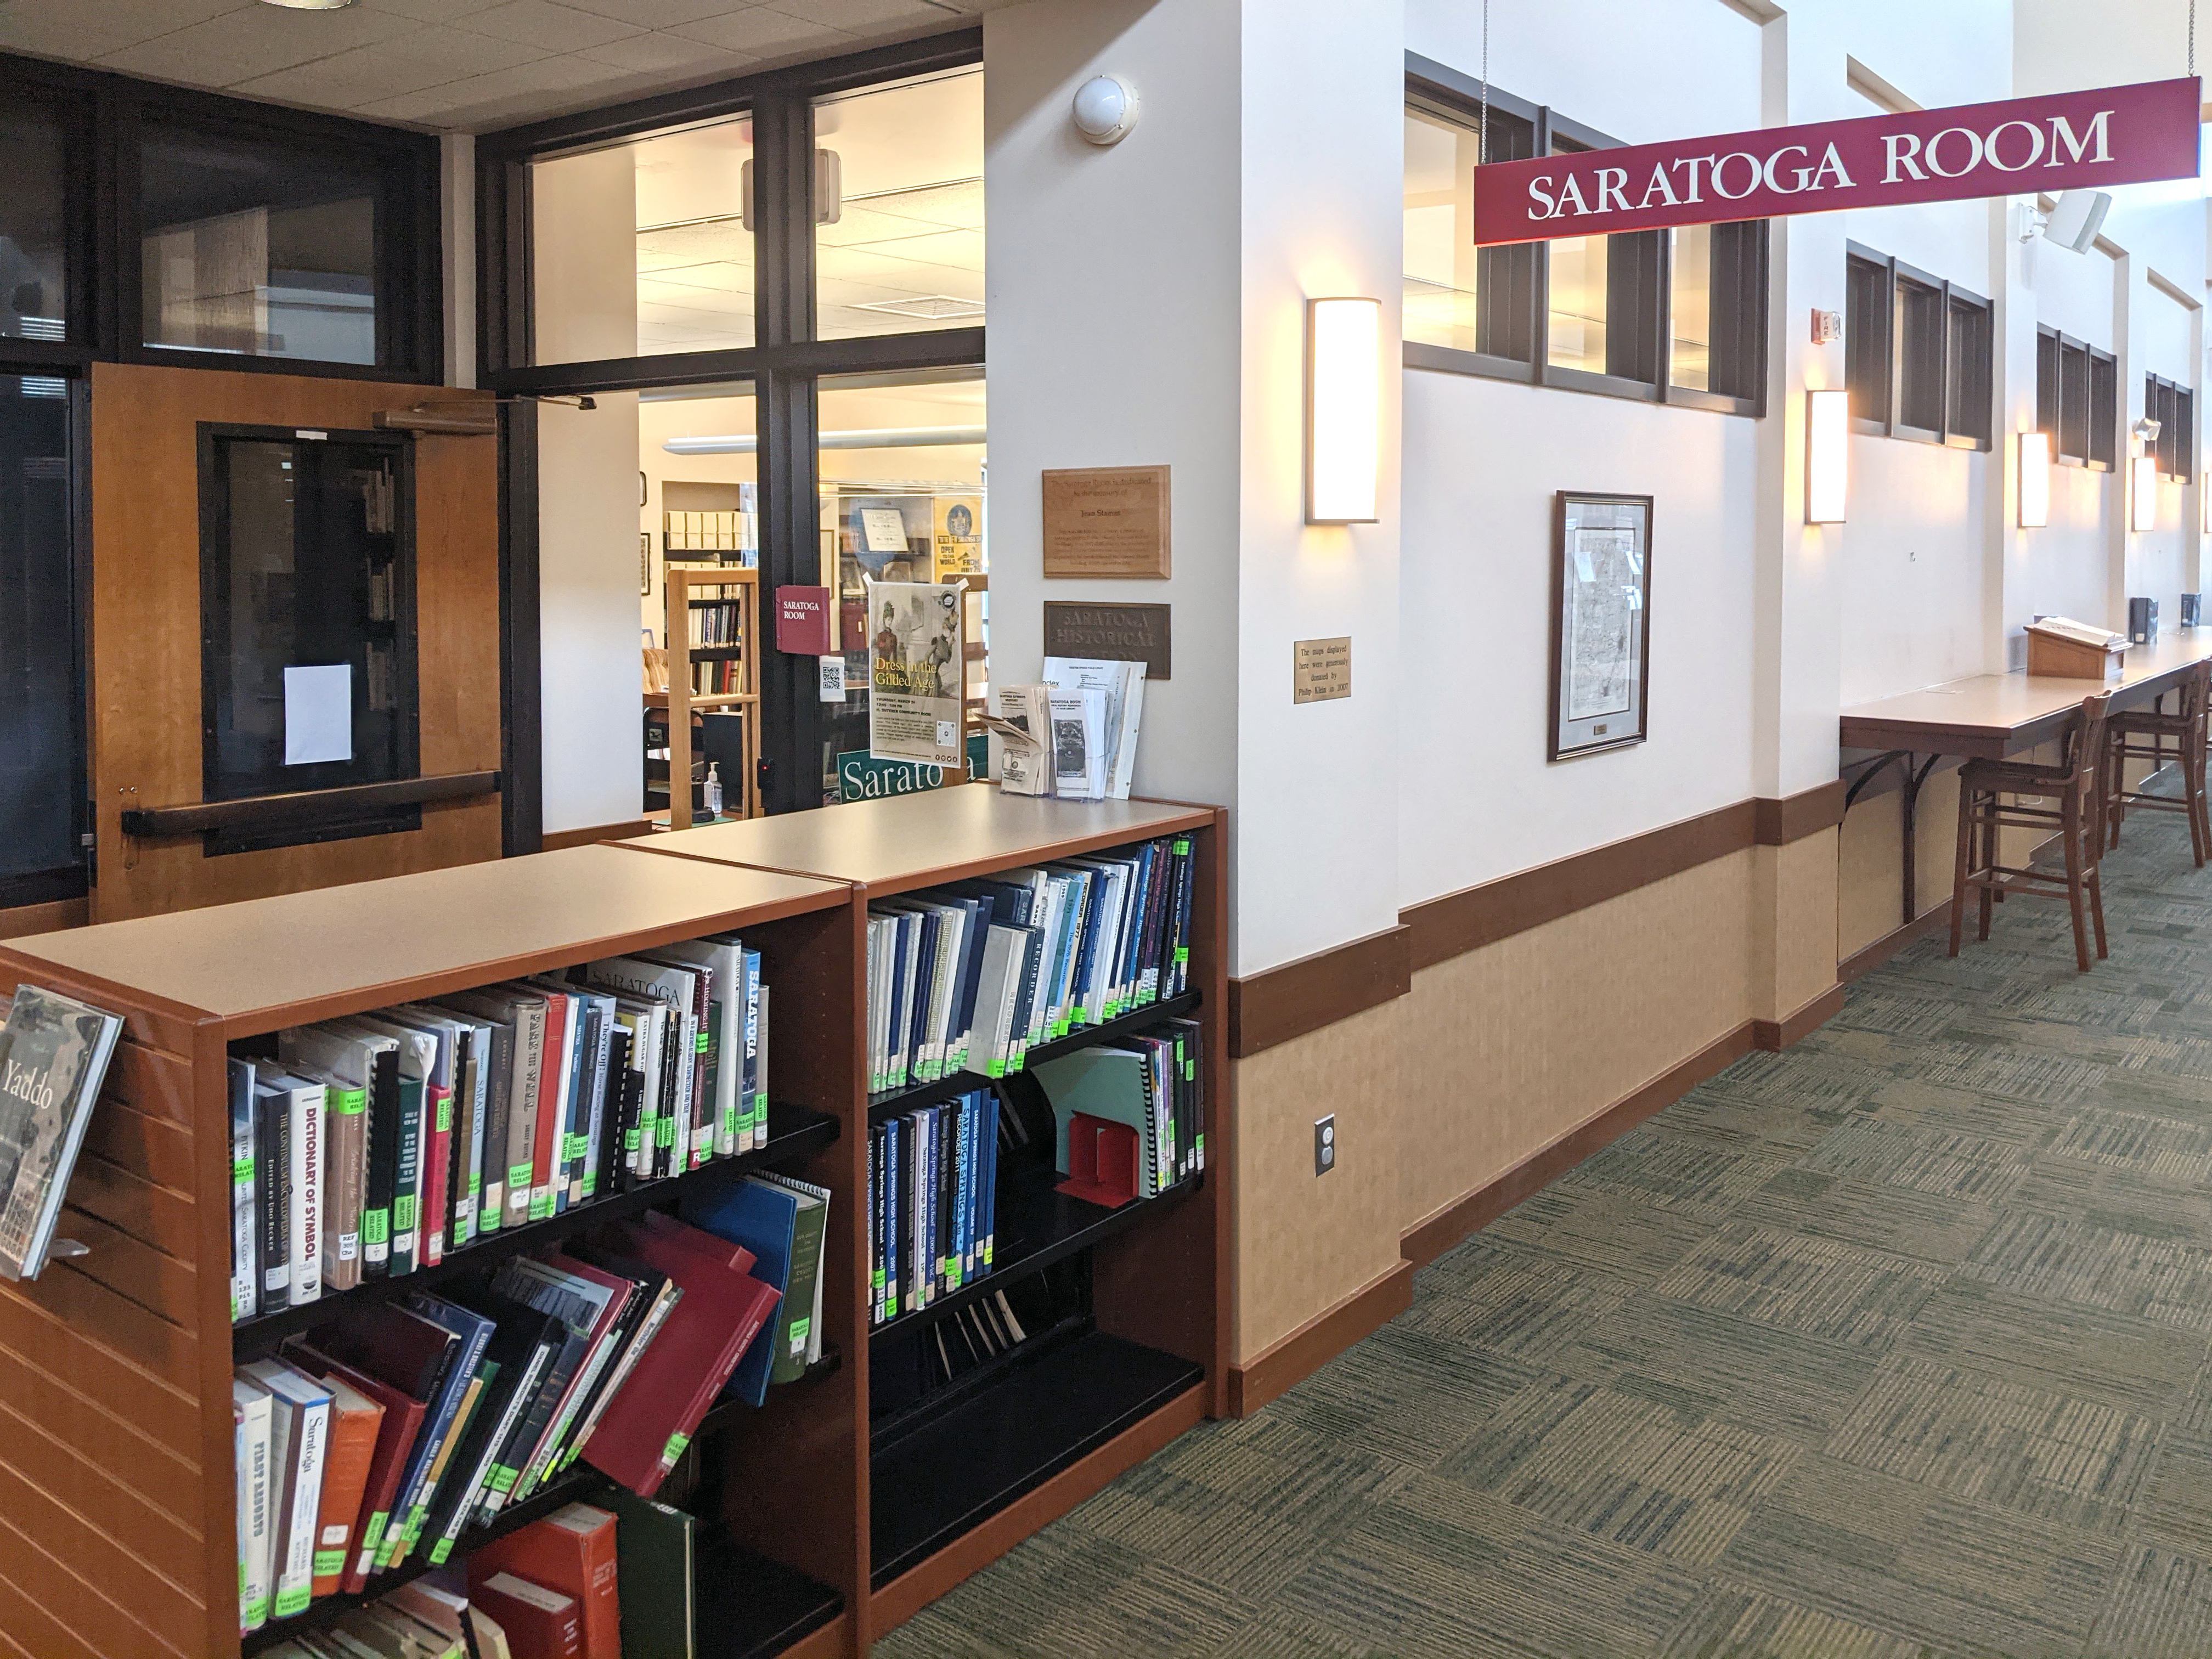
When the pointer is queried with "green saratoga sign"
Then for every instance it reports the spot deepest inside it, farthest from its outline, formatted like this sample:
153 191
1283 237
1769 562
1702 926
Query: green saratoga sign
862 777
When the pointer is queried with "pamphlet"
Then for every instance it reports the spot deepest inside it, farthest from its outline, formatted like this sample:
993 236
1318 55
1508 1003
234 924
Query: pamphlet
917 667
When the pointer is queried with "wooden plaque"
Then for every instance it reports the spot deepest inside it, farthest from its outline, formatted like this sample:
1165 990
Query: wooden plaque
1119 633
1321 669
1108 522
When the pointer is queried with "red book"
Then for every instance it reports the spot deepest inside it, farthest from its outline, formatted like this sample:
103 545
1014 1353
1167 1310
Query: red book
539 1623
722 1251
437 1153
647 1426
571 1550
395 1439
552 1103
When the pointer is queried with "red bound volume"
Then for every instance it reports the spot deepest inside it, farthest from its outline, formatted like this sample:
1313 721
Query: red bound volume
437 1153
571 1550
395 1439
647 1426
539 1623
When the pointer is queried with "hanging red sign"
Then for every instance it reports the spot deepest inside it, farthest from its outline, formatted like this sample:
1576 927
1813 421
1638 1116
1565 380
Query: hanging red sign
2112 136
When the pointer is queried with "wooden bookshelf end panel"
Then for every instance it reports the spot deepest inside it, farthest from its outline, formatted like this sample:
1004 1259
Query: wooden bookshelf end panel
110 1525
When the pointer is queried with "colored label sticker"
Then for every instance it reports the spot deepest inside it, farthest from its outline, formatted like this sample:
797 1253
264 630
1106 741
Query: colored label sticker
674 1448
445 1115
353 1102
799 1330
575 1146
375 1226
541 1204
403 1215
328 1562
517 1175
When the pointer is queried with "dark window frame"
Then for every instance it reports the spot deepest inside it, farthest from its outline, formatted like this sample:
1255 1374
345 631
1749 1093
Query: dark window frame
2065 396
1943 295
784 366
105 115
1438 90
2173 406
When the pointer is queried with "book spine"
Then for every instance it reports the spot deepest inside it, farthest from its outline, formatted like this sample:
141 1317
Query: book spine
532 1057
306 1108
273 1180
296 1583
382 1133
606 1098
756 1078
437 1169
345 1126
245 1235
407 1182
256 1532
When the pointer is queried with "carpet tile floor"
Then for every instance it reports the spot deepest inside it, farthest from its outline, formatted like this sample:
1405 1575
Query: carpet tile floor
1890 1346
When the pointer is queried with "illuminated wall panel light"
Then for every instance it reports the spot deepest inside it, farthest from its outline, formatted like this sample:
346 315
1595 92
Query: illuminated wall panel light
1827 455
1344 410
2142 493
2034 480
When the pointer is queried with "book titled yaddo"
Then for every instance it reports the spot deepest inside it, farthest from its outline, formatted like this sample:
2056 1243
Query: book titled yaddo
53 1054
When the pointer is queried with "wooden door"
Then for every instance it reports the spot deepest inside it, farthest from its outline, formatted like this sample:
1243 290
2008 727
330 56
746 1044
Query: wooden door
145 672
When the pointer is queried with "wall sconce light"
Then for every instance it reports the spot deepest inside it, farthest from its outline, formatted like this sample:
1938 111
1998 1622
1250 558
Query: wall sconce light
2034 480
1344 410
1827 455
2142 493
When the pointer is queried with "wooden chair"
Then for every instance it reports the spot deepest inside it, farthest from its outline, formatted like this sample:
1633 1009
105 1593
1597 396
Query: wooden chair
2143 734
1997 795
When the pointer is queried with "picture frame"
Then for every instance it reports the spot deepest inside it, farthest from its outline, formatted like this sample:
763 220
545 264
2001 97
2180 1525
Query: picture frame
644 564
1601 623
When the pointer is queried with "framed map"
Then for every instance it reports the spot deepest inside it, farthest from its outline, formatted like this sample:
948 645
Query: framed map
1600 621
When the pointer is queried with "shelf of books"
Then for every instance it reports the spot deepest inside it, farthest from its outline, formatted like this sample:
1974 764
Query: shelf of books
698 1246
1046 1156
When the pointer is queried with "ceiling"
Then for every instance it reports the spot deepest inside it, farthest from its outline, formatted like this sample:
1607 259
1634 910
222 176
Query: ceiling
463 64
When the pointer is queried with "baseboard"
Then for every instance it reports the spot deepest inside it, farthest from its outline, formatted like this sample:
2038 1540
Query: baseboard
1293 1359
554 840
1429 1238
1860 963
1773 1034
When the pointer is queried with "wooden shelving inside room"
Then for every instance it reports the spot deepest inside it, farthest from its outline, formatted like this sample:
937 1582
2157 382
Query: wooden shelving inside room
691 590
833 1511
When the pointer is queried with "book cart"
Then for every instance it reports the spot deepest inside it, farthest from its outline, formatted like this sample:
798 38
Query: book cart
841 1518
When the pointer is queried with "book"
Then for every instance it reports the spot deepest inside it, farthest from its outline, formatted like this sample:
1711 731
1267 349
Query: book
573 1551
647 1427
54 1053
764 1216
272 1192
540 1623
299 1413
305 1100
395 1442
244 1234
369 1062
356 1419
654 1547
799 1318
251 1408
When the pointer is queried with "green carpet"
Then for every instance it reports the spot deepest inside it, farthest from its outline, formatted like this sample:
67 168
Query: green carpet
1891 1344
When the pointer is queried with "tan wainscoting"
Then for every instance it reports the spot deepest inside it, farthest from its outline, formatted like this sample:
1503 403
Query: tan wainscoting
1541 1015
554 840
1305 1242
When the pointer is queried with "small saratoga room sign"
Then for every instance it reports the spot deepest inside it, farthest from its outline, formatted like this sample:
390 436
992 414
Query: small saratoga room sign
2113 135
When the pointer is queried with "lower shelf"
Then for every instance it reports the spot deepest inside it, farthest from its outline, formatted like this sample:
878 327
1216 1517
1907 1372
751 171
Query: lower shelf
747 1607
948 1472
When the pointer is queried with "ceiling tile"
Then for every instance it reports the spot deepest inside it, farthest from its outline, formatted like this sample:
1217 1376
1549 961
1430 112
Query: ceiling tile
58 37
257 40
546 23
763 29
863 14
424 58
527 89
658 13
132 19
646 53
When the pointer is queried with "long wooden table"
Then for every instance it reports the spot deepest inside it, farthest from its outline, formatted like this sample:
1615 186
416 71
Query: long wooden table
1990 716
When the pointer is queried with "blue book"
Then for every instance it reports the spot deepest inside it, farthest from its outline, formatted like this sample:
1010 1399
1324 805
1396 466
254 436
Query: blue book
759 1215
962 1265
474 1331
894 1143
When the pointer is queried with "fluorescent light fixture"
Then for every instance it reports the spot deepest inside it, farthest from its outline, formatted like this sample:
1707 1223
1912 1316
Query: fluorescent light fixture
1827 455
1344 410
308 5
2034 480
2142 493
880 437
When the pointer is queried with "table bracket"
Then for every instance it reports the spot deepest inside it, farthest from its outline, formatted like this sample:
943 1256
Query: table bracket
1909 782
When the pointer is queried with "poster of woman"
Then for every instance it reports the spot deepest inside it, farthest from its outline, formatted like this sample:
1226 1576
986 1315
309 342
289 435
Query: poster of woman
916 663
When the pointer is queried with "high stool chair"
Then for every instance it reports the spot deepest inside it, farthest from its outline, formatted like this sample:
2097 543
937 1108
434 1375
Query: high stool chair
2143 734
1996 796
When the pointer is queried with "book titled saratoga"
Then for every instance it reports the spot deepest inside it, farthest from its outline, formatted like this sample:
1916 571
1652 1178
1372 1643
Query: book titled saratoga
53 1054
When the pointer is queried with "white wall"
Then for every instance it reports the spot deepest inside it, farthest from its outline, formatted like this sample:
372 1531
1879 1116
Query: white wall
1476 797
594 757
1322 214
1112 278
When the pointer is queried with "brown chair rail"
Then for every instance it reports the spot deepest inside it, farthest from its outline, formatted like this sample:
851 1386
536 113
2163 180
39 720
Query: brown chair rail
304 807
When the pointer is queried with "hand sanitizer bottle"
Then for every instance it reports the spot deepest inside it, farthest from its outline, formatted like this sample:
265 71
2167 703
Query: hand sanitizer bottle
714 790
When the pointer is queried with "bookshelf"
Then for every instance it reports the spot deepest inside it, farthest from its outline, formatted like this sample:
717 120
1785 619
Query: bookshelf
691 591
836 1514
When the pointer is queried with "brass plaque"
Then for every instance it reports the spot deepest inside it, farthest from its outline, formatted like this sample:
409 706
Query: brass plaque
1106 521
1119 632
1321 669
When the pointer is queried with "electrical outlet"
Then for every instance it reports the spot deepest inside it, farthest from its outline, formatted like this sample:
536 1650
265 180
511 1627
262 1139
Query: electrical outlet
1324 1144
